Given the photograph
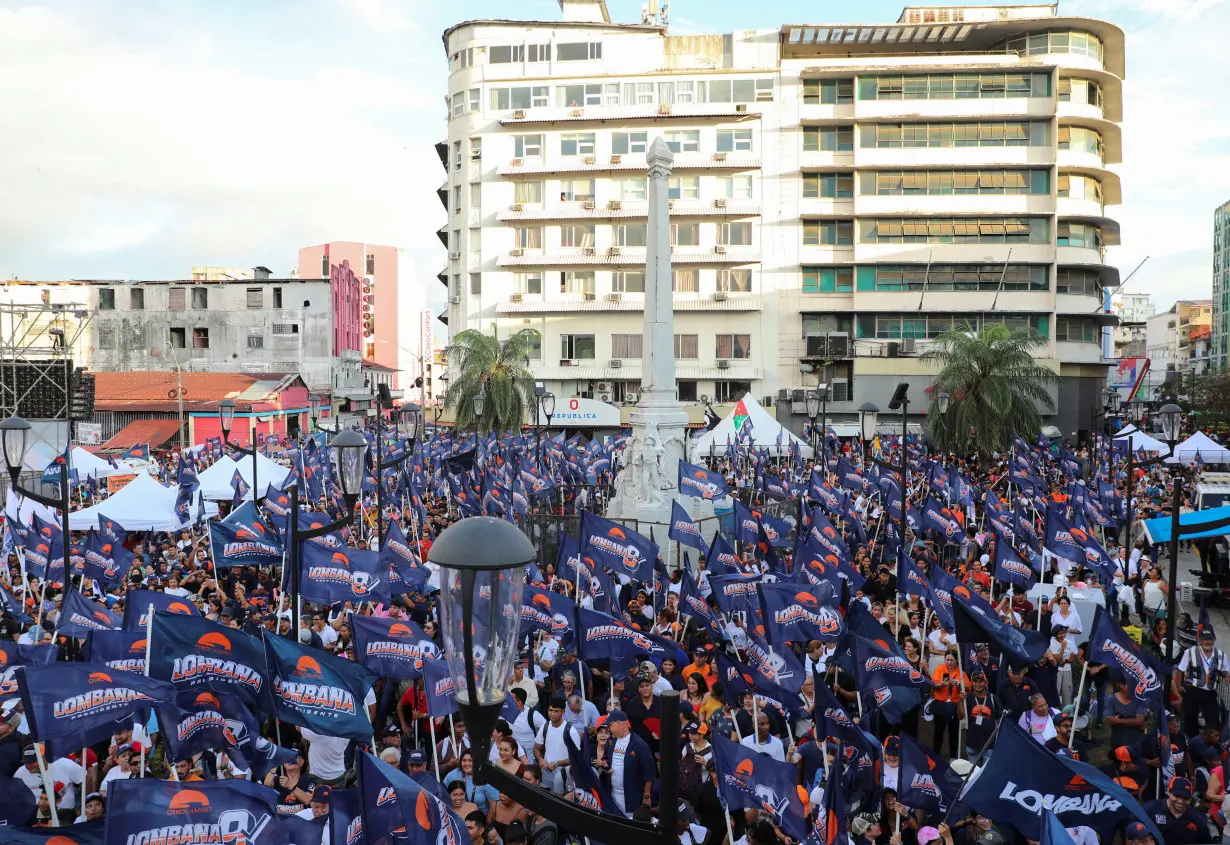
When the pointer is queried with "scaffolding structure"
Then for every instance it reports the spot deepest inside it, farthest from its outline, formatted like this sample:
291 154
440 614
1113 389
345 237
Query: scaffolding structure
37 379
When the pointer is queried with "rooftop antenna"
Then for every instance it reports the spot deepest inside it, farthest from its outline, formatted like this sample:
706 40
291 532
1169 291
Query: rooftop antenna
651 16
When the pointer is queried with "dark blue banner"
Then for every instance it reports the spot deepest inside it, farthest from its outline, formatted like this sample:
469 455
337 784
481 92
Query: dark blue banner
700 483
106 560
440 687
924 781
145 811
794 614
138 602
194 653
124 650
617 548
346 574
315 690
973 625
79 616
1145 676
83 833
392 648
235 544
683 530
600 636
747 779
547 610
398 810
877 664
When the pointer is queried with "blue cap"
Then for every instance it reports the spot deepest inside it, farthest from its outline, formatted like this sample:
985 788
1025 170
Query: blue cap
616 716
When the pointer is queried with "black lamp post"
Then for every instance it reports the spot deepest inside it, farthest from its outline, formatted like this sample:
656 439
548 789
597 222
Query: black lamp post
226 416
482 570
15 441
479 404
942 403
546 403
314 413
868 413
410 418
1170 416
813 411
349 448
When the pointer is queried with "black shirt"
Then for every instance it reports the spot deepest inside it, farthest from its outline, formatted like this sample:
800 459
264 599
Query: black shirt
1187 829
288 804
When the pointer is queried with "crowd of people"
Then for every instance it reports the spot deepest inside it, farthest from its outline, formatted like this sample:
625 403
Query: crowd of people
568 709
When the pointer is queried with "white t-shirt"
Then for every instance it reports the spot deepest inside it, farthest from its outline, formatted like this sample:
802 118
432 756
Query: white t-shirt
328 637
116 773
889 775
178 592
551 738
525 727
63 771
772 747
618 750
326 754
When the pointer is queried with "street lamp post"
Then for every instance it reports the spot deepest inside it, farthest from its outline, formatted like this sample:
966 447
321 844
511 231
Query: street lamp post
1171 415
546 404
813 411
1136 409
482 570
410 417
868 413
942 403
349 448
314 413
15 440
226 417
479 404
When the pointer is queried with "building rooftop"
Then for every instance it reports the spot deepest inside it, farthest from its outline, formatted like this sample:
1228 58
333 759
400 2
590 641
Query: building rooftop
186 282
153 390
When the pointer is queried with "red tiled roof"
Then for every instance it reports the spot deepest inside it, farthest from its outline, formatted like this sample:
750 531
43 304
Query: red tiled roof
154 386
142 433
1198 332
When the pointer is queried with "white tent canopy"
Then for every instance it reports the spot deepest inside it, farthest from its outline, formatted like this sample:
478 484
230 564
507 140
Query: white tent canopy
142 505
216 480
20 508
1140 440
765 431
88 464
1200 443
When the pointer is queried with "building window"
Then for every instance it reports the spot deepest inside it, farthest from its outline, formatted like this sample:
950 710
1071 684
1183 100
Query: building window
506 54
179 337
735 234
828 233
958 86
735 187
521 97
625 143
577 236
136 299
324 266
1079 282
828 139
106 335
930 326
200 338
256 341
828 279
687 390
578 144
683 142
828 185
277 297
632 189
1081 140
955 182
734 140
576 346
475 99
631 234
956 230
730 391
687 347
954 277
734 346
528 237
1040 43
370 260
106 299
527 283
200 299
578 52
577 190
1078 234
628 281
476 284
1076 330
828 92
734 281
527 193
256 297
577 281
685 234
538 53
626 345
1077 90
685 281
527 146
286 328
683 188
999 133
535 351
176 299
576 96
736 90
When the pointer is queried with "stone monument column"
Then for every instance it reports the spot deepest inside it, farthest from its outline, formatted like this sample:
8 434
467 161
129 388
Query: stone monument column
648 482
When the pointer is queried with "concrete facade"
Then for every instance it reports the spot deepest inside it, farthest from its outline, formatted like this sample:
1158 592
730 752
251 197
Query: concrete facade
1177 342
820 219
1219 348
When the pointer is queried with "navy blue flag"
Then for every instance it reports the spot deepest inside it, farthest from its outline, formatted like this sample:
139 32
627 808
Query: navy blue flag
345 817
877 665
11 605
747 779
79 616
590 792
1146 677
600 636
1053 831
440 687
747 527
832 721
547 610
1023 778
831 826
118 649
72 705
240 544
17 806
459 463
396 548
146 811
925 782
692 604
737 594
105 559
1010 565
398 810
392 648
617 548
814 565
195 723
972 625
83 833
683 530
943 522
722 560
137 604
825 538
585 574
700 483
794 614
195 653
776 531
316 690
51 475
250 749
777 667
345 574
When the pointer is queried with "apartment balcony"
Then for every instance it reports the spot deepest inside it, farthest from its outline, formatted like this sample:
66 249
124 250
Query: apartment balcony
1108 181
629 257
1085 207
956 301
1107 228
627 163
1069 352
628 210
1079 256
616 369
953 204
1069 303
628 302
1014 108
667 114
952 157
988 253
1111 132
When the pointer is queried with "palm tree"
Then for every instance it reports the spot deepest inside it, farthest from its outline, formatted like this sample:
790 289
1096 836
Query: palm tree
995 387
495 369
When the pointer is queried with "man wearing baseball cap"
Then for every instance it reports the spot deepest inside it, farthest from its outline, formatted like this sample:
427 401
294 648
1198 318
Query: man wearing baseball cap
633 771
416 763
1195 682
1137 834
1175 818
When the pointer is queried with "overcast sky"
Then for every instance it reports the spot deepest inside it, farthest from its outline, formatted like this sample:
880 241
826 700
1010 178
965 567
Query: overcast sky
142 138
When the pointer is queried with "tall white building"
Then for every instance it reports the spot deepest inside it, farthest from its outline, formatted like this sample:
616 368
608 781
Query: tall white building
842 195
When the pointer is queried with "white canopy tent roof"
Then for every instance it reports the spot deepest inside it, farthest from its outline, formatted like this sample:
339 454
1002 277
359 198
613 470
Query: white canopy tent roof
216 480
142 505
88 464
765 430
1200 443
21 507
1140 440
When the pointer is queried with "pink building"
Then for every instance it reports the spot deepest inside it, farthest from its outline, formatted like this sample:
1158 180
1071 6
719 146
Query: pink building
377 269
347 308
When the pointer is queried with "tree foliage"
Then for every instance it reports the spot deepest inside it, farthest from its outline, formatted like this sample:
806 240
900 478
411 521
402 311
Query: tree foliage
496 369
1206 396
995 386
